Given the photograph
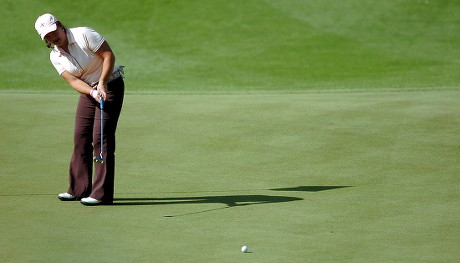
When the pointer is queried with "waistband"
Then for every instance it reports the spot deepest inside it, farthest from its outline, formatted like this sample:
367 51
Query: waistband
117 72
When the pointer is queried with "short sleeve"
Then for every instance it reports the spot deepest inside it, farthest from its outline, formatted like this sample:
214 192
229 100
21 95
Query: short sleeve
93 39
53 57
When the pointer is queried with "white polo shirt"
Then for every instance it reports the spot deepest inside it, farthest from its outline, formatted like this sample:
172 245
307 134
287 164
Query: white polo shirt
82 61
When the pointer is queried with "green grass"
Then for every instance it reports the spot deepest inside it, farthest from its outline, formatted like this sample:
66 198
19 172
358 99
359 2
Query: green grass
248 45
200 176
311 131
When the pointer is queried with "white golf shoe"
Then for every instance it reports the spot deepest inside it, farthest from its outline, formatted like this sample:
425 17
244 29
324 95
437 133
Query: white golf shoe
91 201
66 197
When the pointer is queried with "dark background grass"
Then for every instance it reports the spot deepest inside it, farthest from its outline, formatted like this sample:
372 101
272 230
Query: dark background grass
247 45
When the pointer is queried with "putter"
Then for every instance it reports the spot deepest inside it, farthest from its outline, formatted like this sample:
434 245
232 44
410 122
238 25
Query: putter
100 159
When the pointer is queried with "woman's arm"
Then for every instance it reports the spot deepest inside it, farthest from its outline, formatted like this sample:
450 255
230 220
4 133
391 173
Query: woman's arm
108 63
76 83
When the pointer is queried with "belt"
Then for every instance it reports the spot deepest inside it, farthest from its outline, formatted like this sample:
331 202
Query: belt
117 72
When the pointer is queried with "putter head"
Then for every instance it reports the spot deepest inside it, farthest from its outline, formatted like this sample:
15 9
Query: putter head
98 159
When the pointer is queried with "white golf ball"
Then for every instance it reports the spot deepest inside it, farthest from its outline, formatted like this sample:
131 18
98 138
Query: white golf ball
244 249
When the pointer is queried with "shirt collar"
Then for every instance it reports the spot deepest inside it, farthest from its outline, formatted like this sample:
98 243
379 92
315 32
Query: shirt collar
70 39
70 36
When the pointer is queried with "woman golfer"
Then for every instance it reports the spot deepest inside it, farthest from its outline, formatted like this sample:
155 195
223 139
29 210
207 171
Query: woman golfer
85 60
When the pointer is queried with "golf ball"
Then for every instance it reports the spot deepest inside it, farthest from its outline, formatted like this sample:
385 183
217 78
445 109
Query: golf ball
244 249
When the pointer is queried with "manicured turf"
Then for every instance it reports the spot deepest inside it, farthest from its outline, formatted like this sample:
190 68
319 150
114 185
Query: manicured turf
310 131
318 177
248 45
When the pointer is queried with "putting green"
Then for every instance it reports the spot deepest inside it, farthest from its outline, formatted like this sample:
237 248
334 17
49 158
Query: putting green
310 131
324 177
247 45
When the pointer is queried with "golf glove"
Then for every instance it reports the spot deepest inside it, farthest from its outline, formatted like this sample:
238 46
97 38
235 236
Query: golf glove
94 93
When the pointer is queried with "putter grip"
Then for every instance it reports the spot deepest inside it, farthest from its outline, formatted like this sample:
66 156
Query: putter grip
102 103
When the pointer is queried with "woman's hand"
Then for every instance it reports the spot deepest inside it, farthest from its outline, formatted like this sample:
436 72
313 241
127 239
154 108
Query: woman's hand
102 89
99 92
96 94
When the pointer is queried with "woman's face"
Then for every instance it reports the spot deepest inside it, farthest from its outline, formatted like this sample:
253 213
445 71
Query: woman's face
57 37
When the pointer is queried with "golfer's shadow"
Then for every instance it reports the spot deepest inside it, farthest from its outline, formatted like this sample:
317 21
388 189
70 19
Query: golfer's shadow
229 200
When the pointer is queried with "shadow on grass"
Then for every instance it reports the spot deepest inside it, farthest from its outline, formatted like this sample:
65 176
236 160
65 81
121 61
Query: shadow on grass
229 200
309 188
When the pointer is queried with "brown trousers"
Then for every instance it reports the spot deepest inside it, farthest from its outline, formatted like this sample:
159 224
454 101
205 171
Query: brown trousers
87 137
